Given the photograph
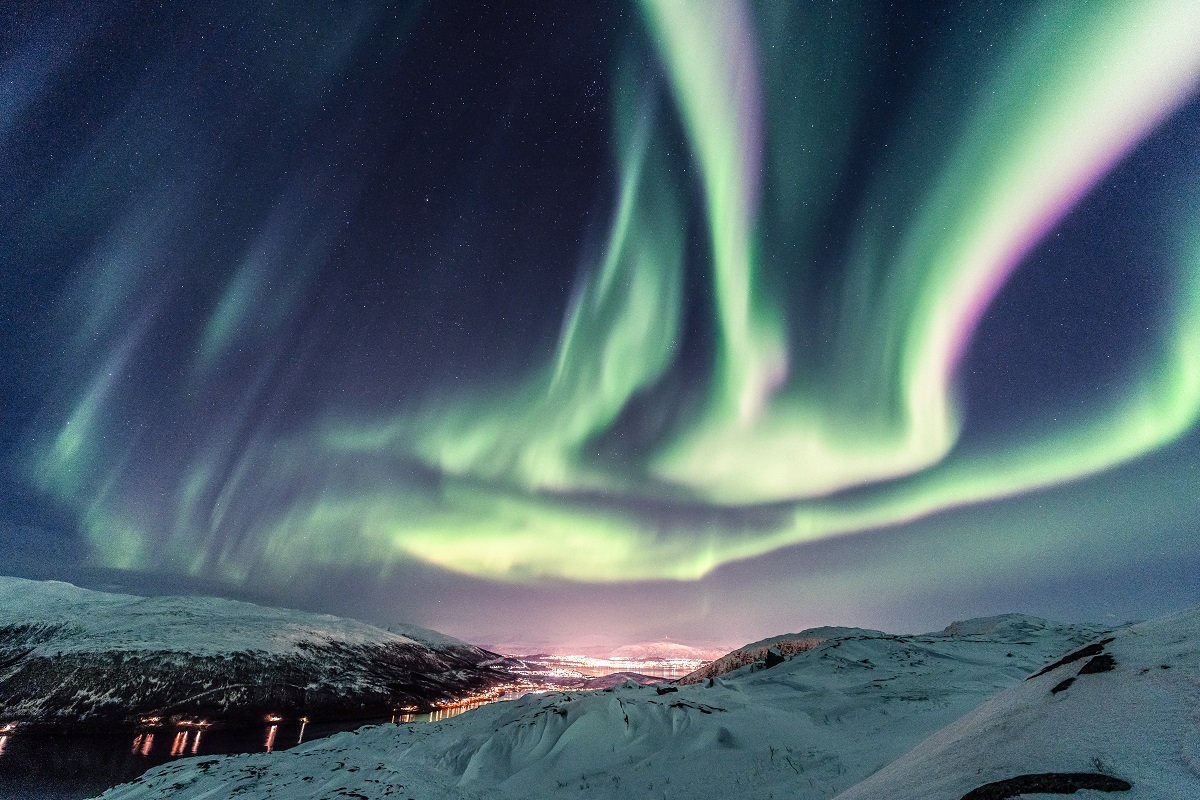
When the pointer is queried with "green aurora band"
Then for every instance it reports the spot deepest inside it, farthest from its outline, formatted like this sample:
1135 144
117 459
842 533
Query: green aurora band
824 415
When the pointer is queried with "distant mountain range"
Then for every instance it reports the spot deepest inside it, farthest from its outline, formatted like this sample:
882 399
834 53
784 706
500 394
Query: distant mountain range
858 715
75 656
664 651
638 651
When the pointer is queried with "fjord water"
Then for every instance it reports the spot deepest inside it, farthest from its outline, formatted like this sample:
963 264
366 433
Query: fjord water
70 765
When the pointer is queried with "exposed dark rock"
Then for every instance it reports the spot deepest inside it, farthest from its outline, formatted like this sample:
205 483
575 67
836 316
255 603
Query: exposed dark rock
1094 649
773 658
1047 783
1101 663
1062 687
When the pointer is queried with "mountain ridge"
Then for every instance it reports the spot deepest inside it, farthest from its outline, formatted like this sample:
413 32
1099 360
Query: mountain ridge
76 656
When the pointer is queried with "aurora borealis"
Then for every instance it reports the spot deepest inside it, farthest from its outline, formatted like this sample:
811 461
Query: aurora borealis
724 308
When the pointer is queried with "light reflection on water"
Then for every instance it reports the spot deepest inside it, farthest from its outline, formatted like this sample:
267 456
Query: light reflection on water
187 742
446 713
439 715
69 765
147 749
143 743
73 765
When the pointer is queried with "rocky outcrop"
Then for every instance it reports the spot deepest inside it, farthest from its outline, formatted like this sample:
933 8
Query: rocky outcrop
1047 783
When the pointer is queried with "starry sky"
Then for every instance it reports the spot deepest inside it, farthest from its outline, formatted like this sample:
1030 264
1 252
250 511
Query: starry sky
575 323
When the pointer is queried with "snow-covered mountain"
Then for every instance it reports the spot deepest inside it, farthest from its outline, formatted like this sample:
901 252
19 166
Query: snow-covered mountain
663 651
71 655
1122 712
809 727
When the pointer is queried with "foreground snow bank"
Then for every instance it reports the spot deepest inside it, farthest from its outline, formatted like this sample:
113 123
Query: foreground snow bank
809 727
1127 709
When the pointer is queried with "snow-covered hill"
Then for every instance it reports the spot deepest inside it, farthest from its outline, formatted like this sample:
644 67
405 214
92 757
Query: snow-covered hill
1124 711
766 650
71 655
808 727
618 678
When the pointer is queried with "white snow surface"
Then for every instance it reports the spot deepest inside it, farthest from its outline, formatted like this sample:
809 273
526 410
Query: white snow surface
1139 722
90 621
811 727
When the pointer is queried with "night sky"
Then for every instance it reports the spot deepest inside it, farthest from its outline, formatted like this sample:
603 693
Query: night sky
575 323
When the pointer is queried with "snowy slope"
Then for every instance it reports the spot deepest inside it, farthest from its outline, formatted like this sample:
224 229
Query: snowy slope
1128 709
809 727
74 655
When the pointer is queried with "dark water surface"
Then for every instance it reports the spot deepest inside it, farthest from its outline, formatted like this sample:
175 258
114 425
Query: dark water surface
70 765
73 765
